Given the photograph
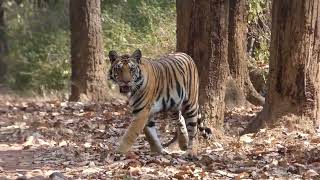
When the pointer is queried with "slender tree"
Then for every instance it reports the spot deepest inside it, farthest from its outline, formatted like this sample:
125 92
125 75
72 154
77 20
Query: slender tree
3 41
239 87
294 75
206 41
87 57
184 13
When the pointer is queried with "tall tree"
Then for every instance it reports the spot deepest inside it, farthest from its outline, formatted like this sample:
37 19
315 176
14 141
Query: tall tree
240 89
87 57
3 41
207 43
294 86
184 9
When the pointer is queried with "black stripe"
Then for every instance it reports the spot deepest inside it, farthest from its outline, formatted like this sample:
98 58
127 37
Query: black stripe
138 86
173 67
190 81
185 63
179 67
151 124
193 124
166 75
169 75
163 104
135 111
172 103
137 101
191 113
187 107
168 66
179 90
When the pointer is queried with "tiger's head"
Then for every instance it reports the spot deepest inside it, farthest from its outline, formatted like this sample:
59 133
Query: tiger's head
125 70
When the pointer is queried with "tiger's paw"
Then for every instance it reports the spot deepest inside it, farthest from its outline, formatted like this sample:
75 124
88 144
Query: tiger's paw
161 151
165 152
190 155
122 149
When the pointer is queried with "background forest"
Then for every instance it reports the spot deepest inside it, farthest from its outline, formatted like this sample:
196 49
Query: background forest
37 37
259 89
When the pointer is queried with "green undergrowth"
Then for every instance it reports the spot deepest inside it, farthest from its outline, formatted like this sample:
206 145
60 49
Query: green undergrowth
39 39
38 60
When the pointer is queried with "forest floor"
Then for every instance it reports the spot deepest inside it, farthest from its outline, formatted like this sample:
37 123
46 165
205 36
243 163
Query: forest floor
39 138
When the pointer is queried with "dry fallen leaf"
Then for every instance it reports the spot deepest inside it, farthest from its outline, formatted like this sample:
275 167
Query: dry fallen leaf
78 140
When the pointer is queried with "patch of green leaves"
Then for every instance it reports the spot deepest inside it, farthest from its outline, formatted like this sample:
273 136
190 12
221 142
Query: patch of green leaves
39 38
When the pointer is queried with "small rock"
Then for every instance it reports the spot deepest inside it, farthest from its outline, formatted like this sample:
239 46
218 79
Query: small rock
89 171
207 159
135 171
57 176
217 145
3 110
87 145
91 164
247 138
311 174
63 143
66 163
22 178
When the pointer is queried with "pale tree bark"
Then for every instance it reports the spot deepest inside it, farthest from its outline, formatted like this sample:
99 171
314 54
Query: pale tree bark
239 87
87 57
294 83
202 33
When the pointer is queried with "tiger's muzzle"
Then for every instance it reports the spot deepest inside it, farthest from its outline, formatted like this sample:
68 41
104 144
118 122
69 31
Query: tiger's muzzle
125 89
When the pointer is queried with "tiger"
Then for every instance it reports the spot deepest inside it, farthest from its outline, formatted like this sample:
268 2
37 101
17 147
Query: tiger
169 83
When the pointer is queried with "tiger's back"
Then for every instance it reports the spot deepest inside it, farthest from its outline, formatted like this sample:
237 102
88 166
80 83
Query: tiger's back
172 84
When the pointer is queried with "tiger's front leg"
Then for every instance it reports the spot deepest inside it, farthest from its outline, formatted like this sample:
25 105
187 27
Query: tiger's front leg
133 131
152 137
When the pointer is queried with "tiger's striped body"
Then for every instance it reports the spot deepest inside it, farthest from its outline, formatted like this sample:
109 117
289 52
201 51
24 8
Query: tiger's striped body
170 83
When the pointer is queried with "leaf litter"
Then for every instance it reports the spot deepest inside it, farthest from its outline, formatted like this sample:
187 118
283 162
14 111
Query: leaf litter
71 140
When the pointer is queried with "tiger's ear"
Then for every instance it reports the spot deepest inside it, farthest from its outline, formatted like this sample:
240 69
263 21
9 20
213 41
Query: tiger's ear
113 56
137 55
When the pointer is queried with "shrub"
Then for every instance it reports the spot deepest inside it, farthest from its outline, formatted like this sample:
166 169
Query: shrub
38 47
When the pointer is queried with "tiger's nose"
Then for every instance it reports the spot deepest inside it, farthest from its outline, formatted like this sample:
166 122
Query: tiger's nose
126 81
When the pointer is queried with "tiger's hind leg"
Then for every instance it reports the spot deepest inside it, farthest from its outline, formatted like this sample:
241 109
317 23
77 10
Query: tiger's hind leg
181 133
152 137
190 113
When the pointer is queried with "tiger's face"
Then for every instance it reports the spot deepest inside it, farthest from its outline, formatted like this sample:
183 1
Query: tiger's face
125 70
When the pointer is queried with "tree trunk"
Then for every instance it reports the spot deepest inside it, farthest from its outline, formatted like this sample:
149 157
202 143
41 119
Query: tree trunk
239 87
184 9
207 43
293 89
3 42
87 57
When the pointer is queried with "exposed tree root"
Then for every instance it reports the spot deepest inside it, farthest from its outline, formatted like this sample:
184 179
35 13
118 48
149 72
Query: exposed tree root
252 95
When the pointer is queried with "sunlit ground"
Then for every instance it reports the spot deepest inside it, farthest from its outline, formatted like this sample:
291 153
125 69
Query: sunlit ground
39 137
